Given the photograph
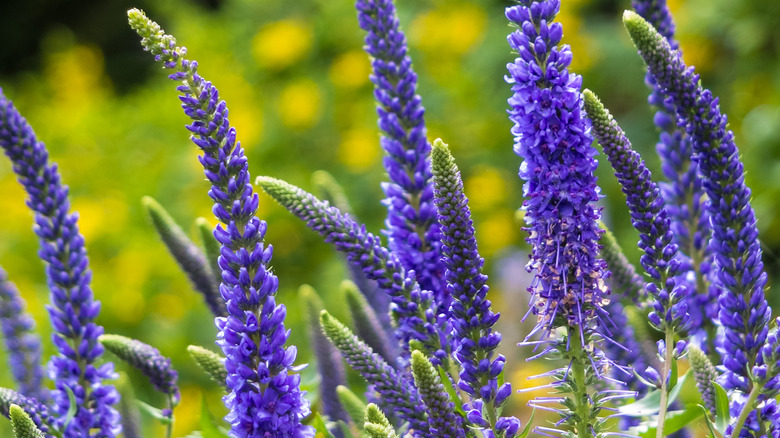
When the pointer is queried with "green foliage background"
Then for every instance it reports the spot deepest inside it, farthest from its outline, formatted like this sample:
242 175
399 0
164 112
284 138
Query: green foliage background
296 83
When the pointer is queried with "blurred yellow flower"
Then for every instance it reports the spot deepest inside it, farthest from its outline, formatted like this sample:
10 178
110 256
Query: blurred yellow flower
279 45
350 70
359 148
169 306
76 78
299 104
485 188
451 29
496 232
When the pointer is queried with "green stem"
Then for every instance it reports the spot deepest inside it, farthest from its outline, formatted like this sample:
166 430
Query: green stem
581 399
749 406
169 426
664 387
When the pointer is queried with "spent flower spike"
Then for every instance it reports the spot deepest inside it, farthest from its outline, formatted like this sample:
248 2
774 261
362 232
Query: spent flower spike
265 398
552 137
73 310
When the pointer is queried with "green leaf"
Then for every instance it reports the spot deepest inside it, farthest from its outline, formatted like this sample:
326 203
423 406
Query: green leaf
674 376
527 429
319 426
709 423
651 403
72 406
722 415
675 390
209 427
449 388
675 420
154 412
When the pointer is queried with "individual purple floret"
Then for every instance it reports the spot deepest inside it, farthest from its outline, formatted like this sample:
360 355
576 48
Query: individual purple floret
73 310
411 216
412 308
682 192
22 344
740 277
474 338
265 398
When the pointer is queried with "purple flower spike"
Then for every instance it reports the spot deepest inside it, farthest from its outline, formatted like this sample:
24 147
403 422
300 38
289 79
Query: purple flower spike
740 277
568 289
412 308
38 412
73 310
682 192
474 338
411 216
22 344
551 135
648 216
265 398
146 359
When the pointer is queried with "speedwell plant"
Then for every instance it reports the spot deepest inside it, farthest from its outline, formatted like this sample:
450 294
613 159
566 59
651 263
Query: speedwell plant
424 335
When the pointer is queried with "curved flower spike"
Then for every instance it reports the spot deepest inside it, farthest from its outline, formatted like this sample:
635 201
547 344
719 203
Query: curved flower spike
265 396
73 310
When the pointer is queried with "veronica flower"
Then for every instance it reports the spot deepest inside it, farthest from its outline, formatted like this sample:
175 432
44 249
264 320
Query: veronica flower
22 344
740 278
682 192
411 216
413 308
38 412
73 310
265 398
395 391
474 338
551 136
146 359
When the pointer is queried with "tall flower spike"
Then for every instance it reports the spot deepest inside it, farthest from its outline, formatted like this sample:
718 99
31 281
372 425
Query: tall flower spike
669 308
73 310
190 258
682 192
265 396
412 308
146 359
329 364
366 322
648 216
740 278
623 278
705 374
22 344
551 136
411 217
474 338
396 392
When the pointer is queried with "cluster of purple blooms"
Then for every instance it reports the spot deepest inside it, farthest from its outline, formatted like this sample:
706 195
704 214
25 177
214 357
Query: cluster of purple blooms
702 289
